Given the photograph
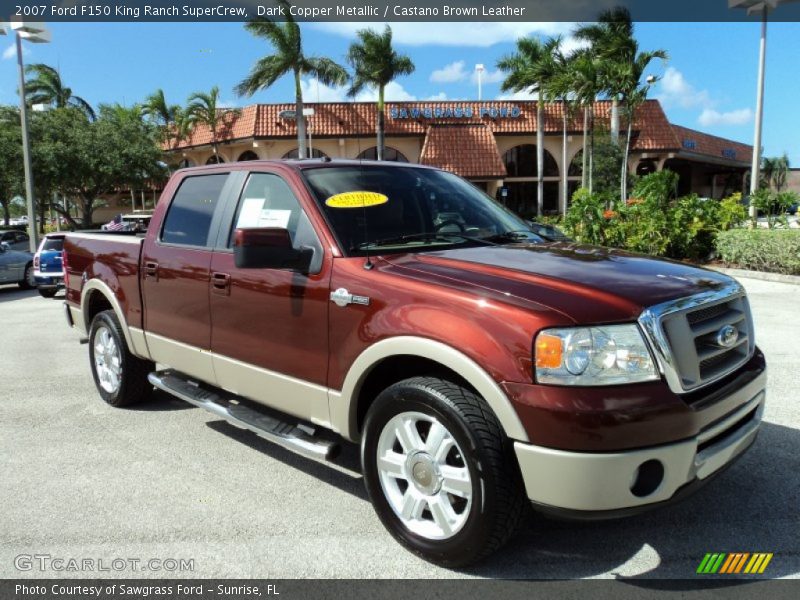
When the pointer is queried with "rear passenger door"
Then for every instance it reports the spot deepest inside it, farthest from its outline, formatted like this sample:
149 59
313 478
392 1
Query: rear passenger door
175 274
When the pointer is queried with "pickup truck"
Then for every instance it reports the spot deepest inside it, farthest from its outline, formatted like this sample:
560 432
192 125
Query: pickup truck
481 369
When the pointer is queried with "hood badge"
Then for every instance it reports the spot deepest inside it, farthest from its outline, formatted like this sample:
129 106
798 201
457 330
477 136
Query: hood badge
727 336
341 297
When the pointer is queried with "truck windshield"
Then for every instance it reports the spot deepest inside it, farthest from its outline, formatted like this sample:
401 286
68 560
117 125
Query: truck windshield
409 209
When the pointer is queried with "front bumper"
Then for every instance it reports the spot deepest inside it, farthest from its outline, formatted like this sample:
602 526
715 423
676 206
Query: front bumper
595 482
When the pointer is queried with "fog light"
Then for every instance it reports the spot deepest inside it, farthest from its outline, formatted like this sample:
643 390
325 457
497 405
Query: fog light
647 477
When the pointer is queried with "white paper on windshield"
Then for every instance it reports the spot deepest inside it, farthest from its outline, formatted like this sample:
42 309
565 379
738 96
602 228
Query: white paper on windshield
271 217
250 214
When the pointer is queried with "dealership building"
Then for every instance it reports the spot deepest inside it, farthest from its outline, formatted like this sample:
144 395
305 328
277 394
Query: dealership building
493 144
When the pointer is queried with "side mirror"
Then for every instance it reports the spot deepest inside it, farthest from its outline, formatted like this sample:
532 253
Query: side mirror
269 248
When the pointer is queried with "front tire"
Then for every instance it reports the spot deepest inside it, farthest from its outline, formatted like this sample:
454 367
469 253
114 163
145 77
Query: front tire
28 281
120 377
440 472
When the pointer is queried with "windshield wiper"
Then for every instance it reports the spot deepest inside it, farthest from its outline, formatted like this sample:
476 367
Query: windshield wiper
511 236
423 235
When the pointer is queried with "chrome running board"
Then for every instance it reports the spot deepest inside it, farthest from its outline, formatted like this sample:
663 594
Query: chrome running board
292 437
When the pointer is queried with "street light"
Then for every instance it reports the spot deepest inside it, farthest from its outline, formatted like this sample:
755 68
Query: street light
762 7
35 33
479 69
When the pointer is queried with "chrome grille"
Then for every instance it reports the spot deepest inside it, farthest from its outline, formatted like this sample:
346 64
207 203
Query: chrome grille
686 335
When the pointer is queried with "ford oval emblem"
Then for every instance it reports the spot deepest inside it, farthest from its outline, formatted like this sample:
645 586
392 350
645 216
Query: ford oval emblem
727 336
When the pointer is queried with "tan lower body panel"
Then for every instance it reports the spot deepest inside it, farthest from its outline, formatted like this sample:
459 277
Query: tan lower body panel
293 396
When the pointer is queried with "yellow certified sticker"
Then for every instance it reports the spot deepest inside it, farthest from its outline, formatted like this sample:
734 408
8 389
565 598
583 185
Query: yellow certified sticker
356 200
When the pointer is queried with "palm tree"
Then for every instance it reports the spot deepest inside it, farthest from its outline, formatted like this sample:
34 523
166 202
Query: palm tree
376 64
288 58
155 106
633 92
611 40
774 171
560 89
204 108
530 69
587 78
46 87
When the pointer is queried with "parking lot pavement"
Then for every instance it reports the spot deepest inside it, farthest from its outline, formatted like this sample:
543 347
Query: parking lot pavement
164 480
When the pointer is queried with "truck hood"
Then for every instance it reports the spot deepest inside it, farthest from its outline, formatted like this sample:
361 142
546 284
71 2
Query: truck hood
583 283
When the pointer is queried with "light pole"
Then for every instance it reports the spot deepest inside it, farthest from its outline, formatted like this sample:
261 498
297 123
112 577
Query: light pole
479 69
38 34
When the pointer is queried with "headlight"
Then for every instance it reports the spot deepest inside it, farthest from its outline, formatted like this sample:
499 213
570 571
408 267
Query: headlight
606 355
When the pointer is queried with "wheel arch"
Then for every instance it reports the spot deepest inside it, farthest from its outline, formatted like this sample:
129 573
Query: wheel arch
399 357
97 296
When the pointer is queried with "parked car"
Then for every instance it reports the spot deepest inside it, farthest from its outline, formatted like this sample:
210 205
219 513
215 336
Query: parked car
16 267
47 268
478 367
551 233
16 240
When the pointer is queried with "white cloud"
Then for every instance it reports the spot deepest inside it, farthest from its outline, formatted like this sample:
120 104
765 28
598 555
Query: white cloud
11 52
480 35
450 73
488 76
440 97
674 90
524 95
710 117
314 91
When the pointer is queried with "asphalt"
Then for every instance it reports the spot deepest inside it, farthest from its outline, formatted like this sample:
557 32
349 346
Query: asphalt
79 479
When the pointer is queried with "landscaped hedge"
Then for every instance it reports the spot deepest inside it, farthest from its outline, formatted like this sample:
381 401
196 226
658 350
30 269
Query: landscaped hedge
761 249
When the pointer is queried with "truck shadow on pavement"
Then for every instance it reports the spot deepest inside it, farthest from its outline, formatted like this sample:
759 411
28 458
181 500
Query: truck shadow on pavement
754 506
13 292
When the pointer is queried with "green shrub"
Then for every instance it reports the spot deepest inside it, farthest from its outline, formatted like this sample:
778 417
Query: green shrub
761 249
732 213
584 220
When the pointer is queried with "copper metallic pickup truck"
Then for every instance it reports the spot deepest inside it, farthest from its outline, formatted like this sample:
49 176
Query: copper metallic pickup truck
480 368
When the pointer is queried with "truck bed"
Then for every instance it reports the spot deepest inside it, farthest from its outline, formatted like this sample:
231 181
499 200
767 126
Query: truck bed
111 257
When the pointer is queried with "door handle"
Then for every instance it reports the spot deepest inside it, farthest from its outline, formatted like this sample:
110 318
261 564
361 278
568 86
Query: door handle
221 284
151 270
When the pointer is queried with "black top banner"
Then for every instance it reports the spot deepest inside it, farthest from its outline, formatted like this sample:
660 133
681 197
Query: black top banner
393 10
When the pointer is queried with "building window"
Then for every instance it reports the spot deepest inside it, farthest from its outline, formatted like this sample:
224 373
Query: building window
296 153
389 153
247 155
186 163
645 167
520 161
215 159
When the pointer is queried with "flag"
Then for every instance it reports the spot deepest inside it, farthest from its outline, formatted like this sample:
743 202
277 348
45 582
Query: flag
115 224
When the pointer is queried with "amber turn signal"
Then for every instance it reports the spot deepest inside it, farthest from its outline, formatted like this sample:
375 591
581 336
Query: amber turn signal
549 350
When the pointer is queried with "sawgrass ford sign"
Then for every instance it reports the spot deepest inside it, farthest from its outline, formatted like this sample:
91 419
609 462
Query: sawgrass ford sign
456 112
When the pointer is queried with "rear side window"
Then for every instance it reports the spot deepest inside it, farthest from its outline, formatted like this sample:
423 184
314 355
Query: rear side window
56 244
189 217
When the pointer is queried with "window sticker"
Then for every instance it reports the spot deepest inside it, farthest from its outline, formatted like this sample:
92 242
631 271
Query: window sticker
250 214
271 217
356 200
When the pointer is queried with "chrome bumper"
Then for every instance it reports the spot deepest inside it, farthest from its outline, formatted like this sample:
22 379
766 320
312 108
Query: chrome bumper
612 481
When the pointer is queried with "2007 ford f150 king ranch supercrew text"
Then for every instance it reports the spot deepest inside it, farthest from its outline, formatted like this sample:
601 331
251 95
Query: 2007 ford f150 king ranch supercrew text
479 367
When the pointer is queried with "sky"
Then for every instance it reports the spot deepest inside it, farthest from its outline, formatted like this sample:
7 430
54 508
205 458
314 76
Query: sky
709 82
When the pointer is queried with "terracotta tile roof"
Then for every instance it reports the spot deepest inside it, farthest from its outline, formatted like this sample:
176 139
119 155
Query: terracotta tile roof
445 147
653 130
697 142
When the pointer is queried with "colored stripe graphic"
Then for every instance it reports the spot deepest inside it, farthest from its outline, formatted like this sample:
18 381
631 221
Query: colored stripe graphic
734 562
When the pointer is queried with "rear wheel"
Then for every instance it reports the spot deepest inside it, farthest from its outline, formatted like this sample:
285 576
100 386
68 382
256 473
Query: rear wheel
440 471
28 281
47 292
120 377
